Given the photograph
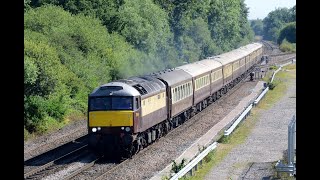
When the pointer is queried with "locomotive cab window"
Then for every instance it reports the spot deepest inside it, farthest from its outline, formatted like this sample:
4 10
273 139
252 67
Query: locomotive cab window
110 103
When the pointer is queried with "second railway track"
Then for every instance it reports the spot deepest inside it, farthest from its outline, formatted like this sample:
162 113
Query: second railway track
42 161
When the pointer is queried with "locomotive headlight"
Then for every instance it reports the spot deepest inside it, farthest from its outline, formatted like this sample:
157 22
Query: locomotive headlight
99 128
122 128
94 129
127 129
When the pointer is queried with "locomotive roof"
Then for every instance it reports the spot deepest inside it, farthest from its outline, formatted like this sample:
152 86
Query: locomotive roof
173 76
145 85
114 89
133 86
195 69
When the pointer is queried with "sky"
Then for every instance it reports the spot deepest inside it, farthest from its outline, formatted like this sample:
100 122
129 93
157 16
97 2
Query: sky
261 8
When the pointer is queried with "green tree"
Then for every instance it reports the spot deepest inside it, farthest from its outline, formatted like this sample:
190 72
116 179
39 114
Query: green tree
257 26
143 24
223 20
66 57
275 21
288 33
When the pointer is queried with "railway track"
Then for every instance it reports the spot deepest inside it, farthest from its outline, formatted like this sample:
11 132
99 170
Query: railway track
282 54
268 49
45 168
65 162
275 57
276 62
112 169
79 170
52 142
45 160
270 46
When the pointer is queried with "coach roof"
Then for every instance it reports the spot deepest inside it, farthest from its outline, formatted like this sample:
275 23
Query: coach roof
195 69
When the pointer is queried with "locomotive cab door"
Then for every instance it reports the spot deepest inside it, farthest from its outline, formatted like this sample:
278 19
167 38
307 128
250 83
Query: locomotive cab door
137 113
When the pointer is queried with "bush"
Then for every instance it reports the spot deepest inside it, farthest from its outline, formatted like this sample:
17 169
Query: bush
271 85
48 124
177 167
287 47
209 157
26 134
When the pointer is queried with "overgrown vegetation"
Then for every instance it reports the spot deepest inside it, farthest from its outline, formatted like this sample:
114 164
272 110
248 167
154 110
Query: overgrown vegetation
287 47
71 47
226 144
177 167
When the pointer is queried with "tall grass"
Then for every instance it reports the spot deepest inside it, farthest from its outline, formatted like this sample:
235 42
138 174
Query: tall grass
287 46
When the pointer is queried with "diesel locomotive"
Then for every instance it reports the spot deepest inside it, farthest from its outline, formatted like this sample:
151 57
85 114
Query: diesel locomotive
126 115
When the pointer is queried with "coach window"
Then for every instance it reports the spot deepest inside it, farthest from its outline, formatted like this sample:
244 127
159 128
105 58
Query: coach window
196 84
178 95
205 81
186 89
177 92
183 91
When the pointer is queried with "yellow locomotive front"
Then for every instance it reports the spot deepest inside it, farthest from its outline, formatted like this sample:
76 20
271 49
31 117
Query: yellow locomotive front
112 111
